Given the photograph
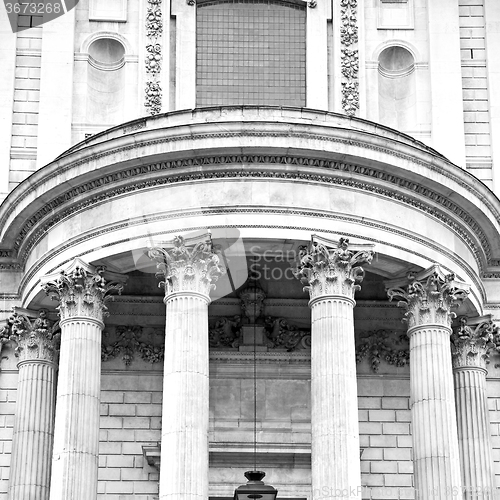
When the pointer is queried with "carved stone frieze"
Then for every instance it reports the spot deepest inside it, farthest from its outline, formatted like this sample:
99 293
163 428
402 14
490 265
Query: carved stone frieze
129 340
350 97
471 346
36 339
154 20
349 62
153 60
280 334
429 296
81 291
226 332
394 185
383 345
187 268
153 97
331 271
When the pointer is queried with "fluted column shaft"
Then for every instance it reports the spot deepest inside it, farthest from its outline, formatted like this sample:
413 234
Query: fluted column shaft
36 349
185 399
335 430
82 292
428 298
474 433
331 275
435 441
33 431
76 443
470 351
189 273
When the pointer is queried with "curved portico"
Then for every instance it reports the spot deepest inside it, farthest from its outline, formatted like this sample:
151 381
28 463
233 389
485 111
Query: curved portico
259 182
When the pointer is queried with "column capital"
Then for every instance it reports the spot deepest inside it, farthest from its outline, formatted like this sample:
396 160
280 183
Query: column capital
184 268
36 336
332 267
82 290
471 345
428 297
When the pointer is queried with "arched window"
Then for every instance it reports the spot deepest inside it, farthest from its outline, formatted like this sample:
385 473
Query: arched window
105 82
397 88
250 52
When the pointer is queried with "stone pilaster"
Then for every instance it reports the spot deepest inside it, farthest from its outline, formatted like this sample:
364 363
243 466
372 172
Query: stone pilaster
331 276
188 273
470 352
428 298
82 292
33 437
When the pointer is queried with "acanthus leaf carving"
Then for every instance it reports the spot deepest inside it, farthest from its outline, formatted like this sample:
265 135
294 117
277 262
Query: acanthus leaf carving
81 291
471 346
187 268
429 296
36 339
331 271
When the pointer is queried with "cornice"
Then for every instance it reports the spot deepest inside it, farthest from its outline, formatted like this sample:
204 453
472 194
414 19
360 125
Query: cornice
364 139
400 189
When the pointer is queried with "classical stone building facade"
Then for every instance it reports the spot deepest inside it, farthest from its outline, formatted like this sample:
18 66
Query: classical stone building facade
250 234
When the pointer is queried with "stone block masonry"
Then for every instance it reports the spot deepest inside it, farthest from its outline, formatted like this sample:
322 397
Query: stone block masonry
130 419
8 384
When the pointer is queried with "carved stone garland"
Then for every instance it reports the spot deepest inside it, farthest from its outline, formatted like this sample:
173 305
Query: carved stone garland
128 341
383 345
350 58
154 30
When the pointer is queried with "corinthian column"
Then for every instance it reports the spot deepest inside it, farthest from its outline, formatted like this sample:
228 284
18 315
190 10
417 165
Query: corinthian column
82 292
188 274
470 352
428 298
332 276
34 421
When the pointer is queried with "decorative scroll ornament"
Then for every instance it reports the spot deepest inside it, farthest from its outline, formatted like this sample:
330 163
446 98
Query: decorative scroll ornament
252 300
37 339
226 332
280 334
349 63
128 341
471 346
383 345
331 271
183 268
81 291
153 61
429 297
